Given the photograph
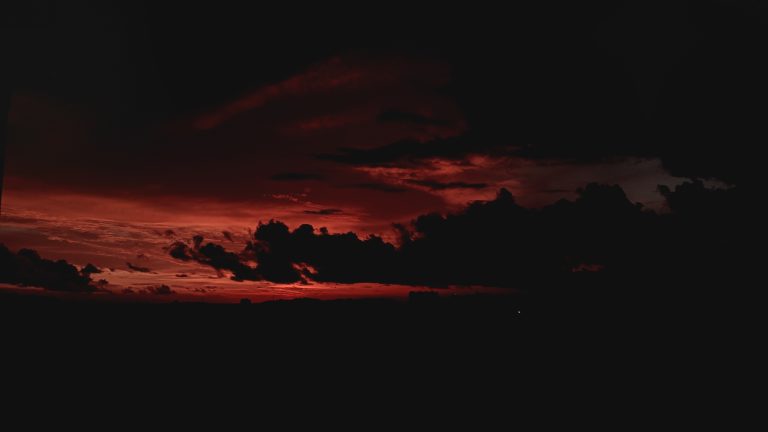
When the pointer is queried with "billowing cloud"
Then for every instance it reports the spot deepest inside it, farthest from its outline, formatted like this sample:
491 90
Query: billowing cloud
492 243
214 256
90 269
27 268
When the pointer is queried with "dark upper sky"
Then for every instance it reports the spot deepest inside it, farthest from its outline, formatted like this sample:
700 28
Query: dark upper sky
575 81
392 109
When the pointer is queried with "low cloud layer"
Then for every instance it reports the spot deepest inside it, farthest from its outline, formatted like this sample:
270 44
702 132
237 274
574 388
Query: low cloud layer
27 268
494 243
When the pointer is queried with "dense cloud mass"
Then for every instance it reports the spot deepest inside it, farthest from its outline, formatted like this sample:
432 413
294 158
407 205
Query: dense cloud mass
27 268
215 256
499 243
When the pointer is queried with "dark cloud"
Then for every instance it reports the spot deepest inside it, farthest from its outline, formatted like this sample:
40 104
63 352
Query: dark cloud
296 176
27 268
325 212
499 243
90 269
227 235
379 187
282 255
217 257
410 151
396 116
693 199
159 290
180 251
303 254
138 268
436 185
214 256
197 241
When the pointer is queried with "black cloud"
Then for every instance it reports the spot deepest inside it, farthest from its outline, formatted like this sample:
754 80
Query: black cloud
436 185
215 256
499 243
138 268
27 268
180 251
325 212
159 290
90 269
411 151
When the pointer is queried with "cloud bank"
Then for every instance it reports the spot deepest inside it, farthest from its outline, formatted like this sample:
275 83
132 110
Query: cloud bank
497 243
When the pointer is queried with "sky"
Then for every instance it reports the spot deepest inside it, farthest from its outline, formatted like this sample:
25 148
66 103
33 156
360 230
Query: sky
134 127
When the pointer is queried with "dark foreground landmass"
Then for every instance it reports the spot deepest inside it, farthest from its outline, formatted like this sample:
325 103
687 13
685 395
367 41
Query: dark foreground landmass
600 339
596 309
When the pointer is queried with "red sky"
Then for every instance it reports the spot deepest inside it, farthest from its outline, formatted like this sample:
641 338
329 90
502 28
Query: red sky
78 191
135 126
